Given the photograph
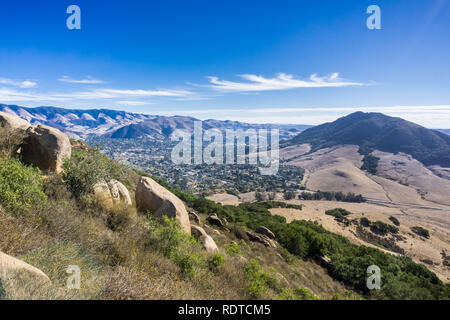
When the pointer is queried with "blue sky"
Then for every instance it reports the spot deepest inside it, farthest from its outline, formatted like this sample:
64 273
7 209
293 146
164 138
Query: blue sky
255 61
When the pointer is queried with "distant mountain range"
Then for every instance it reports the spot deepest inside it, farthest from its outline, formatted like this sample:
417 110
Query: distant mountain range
371 130
76 123
162 127
120 124
381 132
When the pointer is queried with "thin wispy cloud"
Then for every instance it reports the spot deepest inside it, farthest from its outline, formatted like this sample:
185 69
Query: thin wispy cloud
134 103
15 83
433 116
383 109
87 80
114 93
282 81
13 95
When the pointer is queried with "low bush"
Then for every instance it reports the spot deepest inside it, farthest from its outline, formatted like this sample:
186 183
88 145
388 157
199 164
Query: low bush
167 237
289 195
258 281
21 187
380 227
339 214
85 168
233 248
364 222
297 294
215 261
394 220
421 231
279 204
370 162
331 196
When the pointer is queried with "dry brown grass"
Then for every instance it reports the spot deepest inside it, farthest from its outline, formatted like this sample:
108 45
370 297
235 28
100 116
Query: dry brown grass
22 285
224 198
19 236
126 283
404 168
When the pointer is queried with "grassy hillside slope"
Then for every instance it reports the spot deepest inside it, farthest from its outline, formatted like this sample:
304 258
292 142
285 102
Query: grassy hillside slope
53 221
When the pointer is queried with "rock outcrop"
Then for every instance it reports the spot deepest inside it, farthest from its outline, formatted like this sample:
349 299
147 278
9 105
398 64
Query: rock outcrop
194 217
12 133
120 193
112 195
103 195
206 240
323 260
265 231
46 148
11 122
150 196
42 146
260 238
8 264
214 220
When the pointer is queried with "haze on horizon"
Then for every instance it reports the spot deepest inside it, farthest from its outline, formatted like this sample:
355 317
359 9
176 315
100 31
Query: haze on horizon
284 62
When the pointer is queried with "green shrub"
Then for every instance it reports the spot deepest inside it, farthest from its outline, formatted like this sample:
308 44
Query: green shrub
382 228
233 248
379 227
287 256
84 169
336 296
258 281
297 294
338 214
279 204
167 237
21 187
215 261
394 220
289 195
331 196
364 222
370 162
421 231
189 264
